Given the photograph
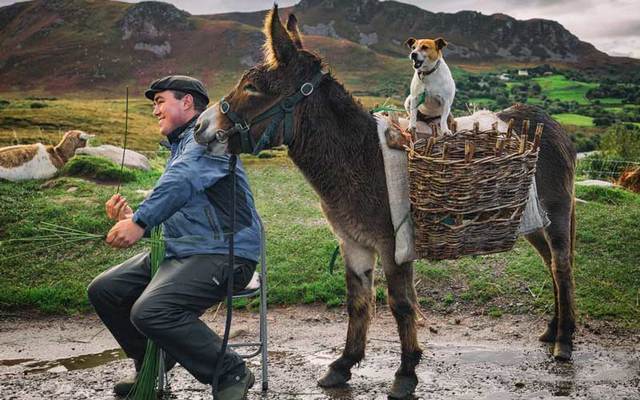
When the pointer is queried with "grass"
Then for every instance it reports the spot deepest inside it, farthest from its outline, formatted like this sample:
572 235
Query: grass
483 101
560 88
98 169
609 100
574 119
21 124
300 244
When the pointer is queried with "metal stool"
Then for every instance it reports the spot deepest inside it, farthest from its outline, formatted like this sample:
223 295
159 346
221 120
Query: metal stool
261 345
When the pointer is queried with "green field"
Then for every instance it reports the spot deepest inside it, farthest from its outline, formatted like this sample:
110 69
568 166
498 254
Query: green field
299 246
609 100
573 119
20 123
560 88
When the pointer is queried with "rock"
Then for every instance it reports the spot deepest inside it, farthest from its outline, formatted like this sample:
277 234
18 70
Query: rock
132 159
368 39
151 20
595 182
161 50
585 154
58 369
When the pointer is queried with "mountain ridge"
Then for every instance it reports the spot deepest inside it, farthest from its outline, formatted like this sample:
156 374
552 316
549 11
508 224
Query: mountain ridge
59 46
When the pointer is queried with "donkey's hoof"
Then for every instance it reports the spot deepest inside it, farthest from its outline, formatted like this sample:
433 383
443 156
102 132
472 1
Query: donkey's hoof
334 378
548 336
562 351
403 387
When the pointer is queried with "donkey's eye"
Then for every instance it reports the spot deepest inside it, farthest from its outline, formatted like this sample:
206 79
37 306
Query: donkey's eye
250 88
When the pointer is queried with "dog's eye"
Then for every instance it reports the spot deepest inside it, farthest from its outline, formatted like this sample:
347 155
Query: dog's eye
423 47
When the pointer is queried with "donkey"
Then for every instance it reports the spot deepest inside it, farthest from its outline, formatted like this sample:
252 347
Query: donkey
333 140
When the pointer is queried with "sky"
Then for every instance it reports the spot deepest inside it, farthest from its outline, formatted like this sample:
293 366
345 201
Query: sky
613 26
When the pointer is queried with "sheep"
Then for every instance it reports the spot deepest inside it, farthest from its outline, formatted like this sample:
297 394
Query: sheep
39 161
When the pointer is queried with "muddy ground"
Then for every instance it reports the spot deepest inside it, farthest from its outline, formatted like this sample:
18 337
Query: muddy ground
465 357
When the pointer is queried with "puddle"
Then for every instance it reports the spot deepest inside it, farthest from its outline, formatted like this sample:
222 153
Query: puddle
9 363
66 364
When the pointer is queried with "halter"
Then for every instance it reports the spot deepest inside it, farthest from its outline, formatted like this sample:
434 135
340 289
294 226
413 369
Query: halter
282 110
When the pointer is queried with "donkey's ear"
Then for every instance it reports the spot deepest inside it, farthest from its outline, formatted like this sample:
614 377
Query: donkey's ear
292 28
409 42
279 47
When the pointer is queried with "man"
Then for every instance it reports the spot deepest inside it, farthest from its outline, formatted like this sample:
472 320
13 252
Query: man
191 200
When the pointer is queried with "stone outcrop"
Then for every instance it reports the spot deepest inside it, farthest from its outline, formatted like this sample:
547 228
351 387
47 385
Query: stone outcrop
132 159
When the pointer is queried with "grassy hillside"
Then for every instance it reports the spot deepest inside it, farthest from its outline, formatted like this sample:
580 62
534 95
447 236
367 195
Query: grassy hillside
573 119
299 246
25 121
558 87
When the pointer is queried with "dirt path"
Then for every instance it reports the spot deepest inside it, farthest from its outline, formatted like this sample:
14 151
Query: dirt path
466 357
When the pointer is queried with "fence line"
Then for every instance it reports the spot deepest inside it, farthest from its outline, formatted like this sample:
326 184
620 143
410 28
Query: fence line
604 168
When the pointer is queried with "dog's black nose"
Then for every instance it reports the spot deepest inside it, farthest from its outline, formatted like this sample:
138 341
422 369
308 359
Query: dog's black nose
414 56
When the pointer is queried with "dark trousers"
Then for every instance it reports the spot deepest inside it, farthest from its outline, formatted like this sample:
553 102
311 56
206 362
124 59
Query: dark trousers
166 309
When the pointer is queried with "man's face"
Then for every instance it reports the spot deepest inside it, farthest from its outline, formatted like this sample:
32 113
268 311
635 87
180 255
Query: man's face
171 112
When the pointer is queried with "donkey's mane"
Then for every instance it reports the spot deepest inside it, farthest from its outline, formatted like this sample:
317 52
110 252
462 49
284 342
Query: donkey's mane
335 130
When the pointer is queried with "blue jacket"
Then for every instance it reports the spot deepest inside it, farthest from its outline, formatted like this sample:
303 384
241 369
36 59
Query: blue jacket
192 199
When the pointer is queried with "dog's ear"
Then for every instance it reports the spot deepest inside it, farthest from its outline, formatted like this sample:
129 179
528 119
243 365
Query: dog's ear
409 42
441 43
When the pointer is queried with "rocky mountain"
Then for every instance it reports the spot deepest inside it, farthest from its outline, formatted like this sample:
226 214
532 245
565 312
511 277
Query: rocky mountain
89 46
472 36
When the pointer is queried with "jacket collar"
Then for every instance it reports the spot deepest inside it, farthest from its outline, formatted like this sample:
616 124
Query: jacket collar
176 135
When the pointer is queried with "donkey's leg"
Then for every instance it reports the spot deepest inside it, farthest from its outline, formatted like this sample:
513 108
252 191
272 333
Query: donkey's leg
560 235
360 263
403 303
538 241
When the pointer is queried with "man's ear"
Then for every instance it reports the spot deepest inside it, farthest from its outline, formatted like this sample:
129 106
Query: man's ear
409 42
188 101
441 43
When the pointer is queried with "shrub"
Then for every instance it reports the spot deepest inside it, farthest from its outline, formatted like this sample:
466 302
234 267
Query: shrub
38 105
585 143
605 195
622 140
98 169
601 166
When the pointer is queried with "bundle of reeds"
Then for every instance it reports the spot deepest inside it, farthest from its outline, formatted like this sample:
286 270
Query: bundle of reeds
148 385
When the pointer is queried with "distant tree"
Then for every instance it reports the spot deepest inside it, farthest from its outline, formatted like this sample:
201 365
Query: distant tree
502 101
622 140
536 89
604 121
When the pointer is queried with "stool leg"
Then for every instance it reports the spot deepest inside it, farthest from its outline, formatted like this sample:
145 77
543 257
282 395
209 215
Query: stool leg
163 382
263 331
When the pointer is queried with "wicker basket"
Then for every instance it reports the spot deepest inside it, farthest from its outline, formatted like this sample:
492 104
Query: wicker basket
468 190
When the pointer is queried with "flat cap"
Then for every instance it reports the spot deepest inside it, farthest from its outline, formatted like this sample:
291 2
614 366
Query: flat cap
180 83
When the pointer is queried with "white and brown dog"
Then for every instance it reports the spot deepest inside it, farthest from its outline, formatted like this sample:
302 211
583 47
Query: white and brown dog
432 81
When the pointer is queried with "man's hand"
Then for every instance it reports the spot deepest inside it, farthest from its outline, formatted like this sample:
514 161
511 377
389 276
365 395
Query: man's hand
117 208
124 234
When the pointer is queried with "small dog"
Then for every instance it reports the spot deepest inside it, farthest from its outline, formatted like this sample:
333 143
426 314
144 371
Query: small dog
432 81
